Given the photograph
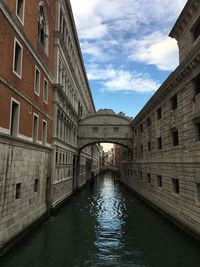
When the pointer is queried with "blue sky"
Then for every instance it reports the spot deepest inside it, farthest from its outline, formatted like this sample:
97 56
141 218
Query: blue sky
126 49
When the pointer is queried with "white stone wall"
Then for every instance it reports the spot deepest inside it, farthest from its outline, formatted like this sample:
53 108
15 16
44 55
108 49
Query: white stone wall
181 162
20 163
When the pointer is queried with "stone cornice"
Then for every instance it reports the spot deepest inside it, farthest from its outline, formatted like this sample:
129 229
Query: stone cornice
191 62
16 141
184 18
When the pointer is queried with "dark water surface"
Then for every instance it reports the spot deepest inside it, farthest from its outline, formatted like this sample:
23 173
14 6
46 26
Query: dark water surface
105 225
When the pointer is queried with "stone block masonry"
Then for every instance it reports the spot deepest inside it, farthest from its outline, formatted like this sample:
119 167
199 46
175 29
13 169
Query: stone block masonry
166 156
23 186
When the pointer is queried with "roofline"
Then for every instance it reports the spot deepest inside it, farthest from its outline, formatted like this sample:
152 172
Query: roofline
79 49
181 16
166 85
100 115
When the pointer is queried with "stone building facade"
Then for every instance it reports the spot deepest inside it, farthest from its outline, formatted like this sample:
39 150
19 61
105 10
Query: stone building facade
71 100
43 93
165 168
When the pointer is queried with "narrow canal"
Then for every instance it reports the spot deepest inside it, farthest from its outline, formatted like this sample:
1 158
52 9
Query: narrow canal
105 225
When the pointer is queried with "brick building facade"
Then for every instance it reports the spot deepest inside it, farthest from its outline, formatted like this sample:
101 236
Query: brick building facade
43 93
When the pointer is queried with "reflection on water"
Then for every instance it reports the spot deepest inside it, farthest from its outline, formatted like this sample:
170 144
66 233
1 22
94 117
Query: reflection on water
105 226
109 208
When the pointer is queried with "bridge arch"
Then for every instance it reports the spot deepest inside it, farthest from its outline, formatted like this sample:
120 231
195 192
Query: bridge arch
105 126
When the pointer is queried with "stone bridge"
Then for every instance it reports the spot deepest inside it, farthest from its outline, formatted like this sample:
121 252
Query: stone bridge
105 127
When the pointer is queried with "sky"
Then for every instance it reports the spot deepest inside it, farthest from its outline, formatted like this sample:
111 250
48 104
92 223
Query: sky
126 49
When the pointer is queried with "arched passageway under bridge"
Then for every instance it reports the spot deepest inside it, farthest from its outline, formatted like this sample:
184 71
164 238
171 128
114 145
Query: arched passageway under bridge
105 127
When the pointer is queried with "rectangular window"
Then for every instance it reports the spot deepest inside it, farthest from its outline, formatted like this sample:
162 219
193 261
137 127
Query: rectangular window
135 132
141 178
174 102
14 118
56 156
198 192
196 83
45 91
116 129
141 148
141 127
44 132
159 180
197 131
148 178
20 10
148 121
159 143
35 128
18 191
95 129
159 114
17 59
36 185
175 185
149 146
37 81
175 138
196 31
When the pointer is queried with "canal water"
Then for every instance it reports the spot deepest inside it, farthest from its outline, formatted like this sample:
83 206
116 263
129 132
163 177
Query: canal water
105 225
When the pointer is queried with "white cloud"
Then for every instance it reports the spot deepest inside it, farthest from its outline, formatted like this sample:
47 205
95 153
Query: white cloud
156 49
113 80
96 18
91 49
104 26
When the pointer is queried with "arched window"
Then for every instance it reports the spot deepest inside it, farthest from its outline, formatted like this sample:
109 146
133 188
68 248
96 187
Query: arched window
42 28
